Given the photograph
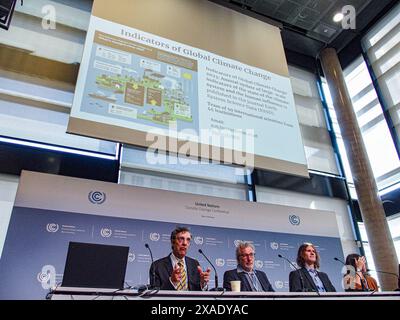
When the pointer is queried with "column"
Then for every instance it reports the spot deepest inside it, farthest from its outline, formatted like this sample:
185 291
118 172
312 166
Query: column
373 214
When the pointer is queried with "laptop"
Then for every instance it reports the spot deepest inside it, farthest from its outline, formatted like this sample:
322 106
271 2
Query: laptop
91 265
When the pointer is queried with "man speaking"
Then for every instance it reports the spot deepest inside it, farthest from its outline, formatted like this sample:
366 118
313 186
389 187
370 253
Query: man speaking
177 271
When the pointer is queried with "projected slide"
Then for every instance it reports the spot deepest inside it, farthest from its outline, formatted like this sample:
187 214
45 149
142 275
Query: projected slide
133 83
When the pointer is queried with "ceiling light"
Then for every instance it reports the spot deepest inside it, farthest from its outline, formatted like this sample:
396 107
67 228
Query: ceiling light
56 148
338 17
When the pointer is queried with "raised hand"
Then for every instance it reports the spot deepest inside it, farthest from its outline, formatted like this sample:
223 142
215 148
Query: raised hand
204 275
176 274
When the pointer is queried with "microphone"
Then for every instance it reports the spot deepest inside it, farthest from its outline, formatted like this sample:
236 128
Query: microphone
215 272
152 267
385 272
337 259
298 271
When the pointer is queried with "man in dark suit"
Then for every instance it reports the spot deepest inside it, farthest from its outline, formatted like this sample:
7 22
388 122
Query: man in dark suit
250 279
177 271
308 278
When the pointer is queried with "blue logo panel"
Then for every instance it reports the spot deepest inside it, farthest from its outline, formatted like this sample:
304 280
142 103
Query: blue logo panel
36 245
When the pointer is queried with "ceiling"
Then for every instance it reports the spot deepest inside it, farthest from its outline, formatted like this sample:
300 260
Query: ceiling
307 25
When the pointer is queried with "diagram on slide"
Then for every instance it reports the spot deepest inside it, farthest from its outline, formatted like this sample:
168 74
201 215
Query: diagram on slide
140 84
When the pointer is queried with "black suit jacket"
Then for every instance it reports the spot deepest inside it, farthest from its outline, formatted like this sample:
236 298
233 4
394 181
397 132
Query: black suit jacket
231 275
309 285
163 270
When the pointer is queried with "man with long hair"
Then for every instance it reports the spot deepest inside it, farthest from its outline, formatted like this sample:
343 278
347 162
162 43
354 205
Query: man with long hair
308 278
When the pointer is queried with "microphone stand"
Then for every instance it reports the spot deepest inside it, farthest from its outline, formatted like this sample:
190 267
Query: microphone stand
391 273
217 288
297 270
361 279
153 269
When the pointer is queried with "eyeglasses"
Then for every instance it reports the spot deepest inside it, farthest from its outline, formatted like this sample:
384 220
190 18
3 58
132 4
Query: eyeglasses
249 255
181 239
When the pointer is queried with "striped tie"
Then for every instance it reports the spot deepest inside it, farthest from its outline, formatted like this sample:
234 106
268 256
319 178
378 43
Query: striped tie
183 283
253 278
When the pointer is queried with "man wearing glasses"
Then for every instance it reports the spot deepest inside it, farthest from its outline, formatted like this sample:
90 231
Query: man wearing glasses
250 279
177 271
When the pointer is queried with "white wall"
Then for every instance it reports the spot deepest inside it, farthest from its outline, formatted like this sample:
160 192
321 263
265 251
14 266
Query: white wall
8 190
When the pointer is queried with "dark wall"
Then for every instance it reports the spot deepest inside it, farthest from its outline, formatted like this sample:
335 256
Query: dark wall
317 184
15 158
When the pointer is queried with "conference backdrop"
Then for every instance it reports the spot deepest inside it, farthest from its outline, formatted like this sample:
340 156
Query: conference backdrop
50 211
213 82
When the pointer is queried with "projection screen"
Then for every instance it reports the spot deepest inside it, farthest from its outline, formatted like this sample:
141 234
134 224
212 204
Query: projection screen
189 77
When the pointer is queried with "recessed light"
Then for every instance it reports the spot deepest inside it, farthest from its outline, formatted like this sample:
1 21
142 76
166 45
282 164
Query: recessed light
338 17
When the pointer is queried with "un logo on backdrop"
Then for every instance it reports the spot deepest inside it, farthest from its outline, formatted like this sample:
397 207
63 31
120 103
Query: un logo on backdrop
47 277
294 220
52 227
106 233
198 240
279 284
97 197
43 277
274 245
236 242
259 264
220 262
154 236
131 256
